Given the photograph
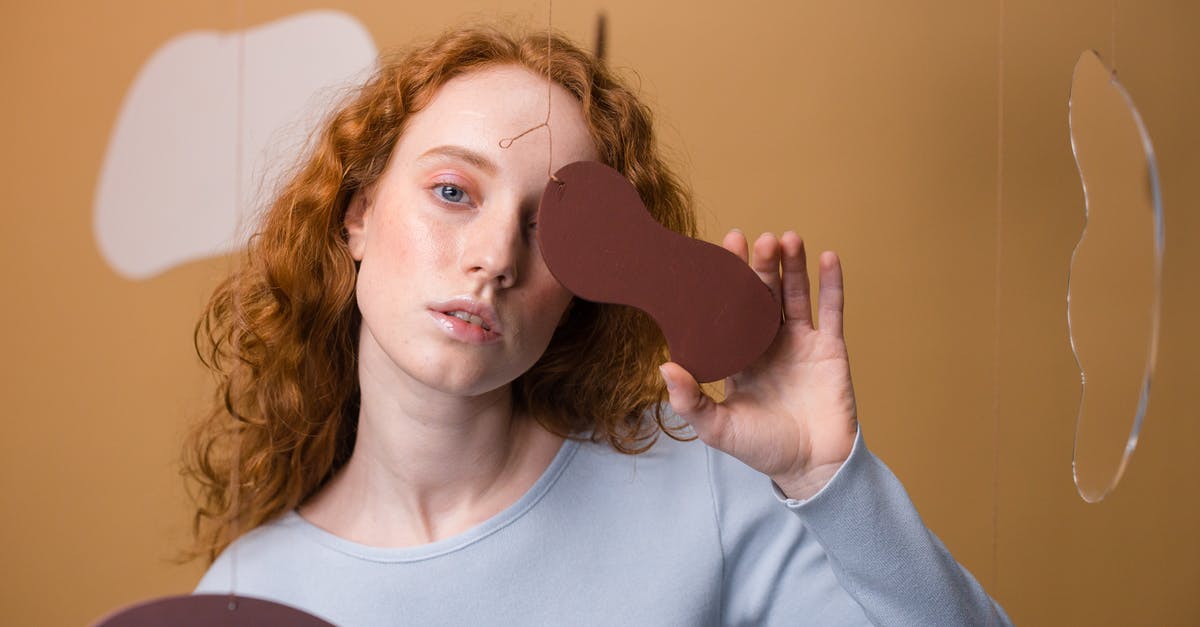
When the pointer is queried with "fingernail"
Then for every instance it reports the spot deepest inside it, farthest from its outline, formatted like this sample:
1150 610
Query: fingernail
663 371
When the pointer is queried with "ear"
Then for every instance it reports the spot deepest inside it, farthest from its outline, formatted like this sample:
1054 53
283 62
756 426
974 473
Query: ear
358 217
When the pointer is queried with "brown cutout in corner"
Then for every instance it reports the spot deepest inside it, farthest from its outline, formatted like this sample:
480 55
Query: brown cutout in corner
203 610
602 244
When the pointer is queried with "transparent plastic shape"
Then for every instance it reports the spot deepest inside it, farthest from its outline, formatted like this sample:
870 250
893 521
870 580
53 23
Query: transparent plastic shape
1114 292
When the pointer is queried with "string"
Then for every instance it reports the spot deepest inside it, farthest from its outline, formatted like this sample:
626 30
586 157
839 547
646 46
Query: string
1112 48
239 111
999 252
508 141
235 494
239 129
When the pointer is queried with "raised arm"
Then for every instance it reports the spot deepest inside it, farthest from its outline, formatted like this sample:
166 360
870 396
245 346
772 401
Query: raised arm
791 416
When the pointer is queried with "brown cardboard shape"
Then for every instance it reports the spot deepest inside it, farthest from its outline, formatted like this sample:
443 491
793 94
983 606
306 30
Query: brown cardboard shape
203 610
601 243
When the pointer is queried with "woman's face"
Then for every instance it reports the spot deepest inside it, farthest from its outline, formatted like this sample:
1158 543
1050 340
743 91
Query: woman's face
454 294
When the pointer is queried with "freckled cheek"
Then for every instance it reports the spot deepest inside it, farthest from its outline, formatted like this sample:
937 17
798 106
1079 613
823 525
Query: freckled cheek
419 244
552 297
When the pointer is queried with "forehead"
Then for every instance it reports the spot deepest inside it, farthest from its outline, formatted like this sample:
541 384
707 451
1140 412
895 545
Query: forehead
479 109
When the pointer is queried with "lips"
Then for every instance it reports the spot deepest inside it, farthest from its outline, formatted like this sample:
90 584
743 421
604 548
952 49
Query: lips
472 312
476 320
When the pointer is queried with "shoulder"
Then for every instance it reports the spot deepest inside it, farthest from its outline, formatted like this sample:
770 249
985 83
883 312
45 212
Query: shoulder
674 455
666 475
680 464
675 473
272 551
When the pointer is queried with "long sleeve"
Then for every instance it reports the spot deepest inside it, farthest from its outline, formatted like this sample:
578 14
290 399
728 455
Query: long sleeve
854 553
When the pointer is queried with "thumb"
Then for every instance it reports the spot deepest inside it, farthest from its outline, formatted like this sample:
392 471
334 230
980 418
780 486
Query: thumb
690 402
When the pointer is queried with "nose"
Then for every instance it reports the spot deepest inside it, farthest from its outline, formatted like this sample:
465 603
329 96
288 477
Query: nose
496 246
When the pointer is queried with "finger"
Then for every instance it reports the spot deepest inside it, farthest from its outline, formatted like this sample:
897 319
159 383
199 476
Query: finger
766 262
735 242
797 301
832 296
691 403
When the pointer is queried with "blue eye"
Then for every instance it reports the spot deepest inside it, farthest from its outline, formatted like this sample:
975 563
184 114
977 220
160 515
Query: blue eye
452 193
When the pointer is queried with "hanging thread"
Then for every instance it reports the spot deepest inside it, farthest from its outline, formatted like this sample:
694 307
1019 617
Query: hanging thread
1112 47
999 255
235 495
239 129
508 141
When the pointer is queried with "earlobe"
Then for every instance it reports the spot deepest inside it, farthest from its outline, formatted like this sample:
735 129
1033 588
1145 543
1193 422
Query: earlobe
357 216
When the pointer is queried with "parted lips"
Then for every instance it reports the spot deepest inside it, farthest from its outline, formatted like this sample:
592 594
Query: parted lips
602 244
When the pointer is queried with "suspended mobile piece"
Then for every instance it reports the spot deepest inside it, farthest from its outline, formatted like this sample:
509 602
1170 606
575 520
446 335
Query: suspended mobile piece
204 610
602 244
1114 294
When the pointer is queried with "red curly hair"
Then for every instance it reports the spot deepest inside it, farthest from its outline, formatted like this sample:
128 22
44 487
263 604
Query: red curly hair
281 332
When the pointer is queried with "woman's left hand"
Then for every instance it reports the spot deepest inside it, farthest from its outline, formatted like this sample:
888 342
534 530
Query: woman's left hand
791 414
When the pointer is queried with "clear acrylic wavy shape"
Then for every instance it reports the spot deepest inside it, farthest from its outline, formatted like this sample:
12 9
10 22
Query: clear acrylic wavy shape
1114 293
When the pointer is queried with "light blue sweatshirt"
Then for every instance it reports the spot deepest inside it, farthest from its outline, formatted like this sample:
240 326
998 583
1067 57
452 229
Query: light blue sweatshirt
680 535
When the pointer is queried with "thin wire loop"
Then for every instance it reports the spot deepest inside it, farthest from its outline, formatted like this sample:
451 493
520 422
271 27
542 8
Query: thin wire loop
507 142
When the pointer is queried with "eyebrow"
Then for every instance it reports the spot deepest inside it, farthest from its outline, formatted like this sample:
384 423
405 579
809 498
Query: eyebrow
472 158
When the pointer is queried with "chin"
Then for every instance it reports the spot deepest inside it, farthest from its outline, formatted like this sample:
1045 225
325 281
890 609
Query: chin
466 383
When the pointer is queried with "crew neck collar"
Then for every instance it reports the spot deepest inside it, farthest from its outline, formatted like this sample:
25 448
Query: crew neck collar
294 521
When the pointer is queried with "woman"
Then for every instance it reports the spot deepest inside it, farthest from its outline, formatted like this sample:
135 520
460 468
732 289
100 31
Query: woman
419 425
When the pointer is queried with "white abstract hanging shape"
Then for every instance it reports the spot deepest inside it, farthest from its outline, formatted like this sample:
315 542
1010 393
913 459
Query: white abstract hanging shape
1114 293
170 188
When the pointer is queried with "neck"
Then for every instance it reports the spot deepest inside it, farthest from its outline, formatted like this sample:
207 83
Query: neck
427 466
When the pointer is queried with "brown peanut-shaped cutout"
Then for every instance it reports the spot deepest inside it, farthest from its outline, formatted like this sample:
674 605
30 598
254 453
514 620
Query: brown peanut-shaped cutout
601 243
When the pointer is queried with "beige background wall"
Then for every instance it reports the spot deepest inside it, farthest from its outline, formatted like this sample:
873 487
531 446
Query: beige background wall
871 127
